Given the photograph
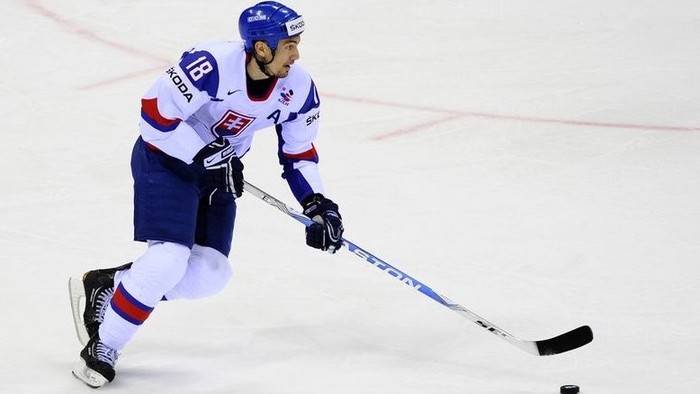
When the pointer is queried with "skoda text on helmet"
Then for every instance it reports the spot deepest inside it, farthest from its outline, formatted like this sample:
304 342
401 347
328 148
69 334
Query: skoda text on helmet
269 21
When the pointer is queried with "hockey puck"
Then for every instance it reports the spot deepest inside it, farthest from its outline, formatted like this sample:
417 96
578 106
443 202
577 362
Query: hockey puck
568 389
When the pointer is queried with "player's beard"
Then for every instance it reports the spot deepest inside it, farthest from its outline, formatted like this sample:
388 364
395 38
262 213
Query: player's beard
283 72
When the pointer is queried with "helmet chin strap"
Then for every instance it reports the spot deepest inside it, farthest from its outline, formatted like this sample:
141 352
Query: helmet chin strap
263 66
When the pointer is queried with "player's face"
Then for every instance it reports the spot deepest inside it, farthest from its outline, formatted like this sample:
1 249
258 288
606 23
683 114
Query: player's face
287 53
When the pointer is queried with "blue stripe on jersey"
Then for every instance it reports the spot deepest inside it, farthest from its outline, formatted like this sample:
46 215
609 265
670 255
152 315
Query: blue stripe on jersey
156 125
202 70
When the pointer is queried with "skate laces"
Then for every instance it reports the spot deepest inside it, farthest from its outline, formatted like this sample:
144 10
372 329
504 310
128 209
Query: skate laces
101 303
105 353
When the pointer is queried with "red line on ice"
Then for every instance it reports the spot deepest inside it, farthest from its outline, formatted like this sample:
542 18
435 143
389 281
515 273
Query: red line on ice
451 113
85 33
457 114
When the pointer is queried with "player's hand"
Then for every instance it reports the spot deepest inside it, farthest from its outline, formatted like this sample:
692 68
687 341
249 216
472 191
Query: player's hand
224 170
327 230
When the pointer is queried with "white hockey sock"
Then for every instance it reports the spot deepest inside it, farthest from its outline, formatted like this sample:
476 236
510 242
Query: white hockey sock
208 272
140 289
118 277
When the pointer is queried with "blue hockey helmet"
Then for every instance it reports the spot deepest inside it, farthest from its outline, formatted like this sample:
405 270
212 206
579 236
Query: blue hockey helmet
269 21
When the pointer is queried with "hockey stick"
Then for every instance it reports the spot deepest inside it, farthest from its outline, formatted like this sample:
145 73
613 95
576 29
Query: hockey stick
562 343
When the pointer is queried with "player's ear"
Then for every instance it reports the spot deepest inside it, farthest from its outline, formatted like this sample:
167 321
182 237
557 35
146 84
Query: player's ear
261 49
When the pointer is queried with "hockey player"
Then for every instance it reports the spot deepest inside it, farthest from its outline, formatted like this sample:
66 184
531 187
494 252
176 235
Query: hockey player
197 121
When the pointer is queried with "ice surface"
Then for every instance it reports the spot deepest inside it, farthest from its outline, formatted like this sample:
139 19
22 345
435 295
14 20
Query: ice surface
535 161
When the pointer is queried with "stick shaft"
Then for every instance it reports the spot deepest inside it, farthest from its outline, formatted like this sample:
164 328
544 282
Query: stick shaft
559 344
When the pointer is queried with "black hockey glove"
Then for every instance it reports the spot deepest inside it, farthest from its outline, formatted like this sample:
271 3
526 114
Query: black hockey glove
327 230
223 170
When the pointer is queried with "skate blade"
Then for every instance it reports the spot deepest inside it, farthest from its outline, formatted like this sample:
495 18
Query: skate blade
76 291
88 376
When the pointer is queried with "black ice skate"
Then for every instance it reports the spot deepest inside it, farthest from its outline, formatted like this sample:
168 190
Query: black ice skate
96 367
89 299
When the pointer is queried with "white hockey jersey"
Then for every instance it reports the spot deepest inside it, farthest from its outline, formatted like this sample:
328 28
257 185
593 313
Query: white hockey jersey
204 97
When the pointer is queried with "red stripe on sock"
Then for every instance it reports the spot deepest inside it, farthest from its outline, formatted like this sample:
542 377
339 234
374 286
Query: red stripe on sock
128 307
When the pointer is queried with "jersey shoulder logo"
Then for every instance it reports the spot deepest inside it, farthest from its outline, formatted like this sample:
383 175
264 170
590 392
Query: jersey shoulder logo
286 96
231 124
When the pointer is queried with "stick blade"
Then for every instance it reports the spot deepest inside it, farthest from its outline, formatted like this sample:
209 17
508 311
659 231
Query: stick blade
568 341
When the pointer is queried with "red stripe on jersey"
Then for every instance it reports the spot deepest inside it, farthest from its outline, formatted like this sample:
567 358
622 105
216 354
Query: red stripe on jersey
150 108
306 155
